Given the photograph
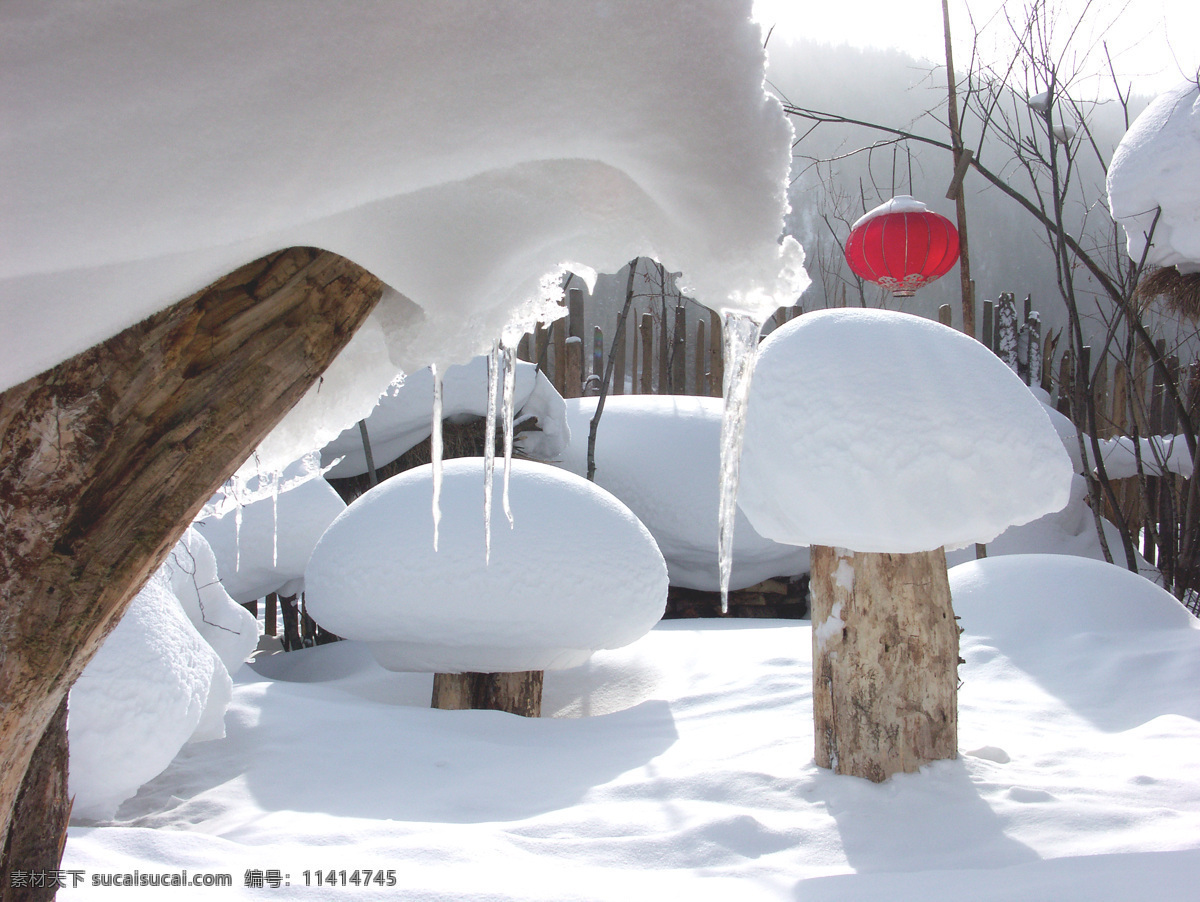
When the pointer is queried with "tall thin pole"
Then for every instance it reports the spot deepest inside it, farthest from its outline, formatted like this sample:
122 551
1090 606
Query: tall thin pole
960 166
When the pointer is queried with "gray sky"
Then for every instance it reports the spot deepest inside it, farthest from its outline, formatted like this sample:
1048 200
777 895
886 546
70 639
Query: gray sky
1152 40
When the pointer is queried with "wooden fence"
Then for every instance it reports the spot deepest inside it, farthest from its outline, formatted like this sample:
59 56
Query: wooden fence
1131 400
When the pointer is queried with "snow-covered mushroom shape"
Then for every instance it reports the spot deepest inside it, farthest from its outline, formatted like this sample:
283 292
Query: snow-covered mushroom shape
576 573
1154 167
893 436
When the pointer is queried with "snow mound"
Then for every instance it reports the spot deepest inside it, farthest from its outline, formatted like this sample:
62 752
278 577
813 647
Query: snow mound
1110 644
881 431
224 624
660 454
1055 596
1155 166
271 545
402 418
153 685
578 572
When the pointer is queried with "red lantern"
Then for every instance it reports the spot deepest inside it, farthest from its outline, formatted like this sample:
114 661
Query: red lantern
902 245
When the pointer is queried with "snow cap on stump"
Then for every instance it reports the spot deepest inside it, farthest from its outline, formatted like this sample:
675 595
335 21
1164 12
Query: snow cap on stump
577 572
885 432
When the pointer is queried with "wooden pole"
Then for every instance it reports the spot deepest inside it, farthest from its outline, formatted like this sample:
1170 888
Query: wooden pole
620 343
679 352
647 342
885 662
945 315
960 204
558 337
701 361
716 381
573 368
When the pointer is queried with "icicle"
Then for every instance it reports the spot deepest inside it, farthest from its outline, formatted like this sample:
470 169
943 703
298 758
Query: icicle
237 537
741 351
275 519
435 452
510 381
489 450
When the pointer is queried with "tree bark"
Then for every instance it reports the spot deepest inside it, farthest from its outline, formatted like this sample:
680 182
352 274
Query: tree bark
516 693
35 844
885 662
106 458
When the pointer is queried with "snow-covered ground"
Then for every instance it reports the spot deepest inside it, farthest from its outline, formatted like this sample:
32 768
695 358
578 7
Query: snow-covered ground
682 764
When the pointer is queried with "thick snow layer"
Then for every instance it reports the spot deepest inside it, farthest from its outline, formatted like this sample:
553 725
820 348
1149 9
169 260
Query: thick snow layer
272 543
881 431
576 572
681 767
150 148
154 684
660 454
223 623
1155 166
401 419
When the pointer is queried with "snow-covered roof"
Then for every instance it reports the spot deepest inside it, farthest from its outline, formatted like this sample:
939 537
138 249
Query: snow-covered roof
1157 164
881 431
458 150
576 572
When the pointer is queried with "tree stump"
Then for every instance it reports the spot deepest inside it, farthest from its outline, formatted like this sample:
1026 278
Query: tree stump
107 457
885 661
516 693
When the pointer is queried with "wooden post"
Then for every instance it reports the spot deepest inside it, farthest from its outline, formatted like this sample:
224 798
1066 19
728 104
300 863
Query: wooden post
945 315
1066 382
541 341
679 352
575 314
647 342
515 693
525 349
270 624
885 662
1023 355
558 339
716 380
701 361
597 352
573 368
1100 398
1034 324
989 329
619 345
1006 329
634 380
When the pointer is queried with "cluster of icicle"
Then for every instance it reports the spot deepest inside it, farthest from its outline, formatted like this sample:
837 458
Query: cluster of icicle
502 377
740 349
